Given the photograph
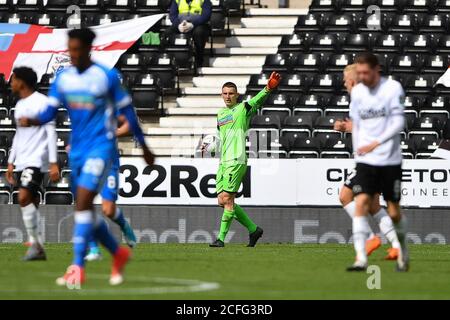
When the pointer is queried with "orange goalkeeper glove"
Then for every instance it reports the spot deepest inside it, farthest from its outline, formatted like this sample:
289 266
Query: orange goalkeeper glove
274 80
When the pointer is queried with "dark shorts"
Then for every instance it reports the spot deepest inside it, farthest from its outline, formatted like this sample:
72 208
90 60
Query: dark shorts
31 179
377 179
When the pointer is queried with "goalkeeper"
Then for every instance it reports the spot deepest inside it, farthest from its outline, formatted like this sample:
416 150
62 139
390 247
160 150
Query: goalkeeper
233 123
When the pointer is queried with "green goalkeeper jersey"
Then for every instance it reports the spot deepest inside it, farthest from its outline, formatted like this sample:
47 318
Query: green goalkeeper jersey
233 124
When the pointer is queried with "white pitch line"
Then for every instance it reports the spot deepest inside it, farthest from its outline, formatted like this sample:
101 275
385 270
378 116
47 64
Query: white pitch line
181 286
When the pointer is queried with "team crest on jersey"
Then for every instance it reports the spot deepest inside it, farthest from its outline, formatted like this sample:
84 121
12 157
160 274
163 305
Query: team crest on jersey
223 121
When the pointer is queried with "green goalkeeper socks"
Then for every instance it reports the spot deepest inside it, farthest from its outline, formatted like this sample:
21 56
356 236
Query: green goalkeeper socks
244 219
225 225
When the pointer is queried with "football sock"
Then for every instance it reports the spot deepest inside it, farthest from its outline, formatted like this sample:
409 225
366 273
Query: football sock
84 223
31 217
225 224
93 245
400 228
387 227
361 231
350 209
119 218
243 218
104 235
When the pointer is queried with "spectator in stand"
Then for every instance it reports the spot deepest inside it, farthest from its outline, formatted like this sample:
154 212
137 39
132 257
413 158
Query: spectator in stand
191 17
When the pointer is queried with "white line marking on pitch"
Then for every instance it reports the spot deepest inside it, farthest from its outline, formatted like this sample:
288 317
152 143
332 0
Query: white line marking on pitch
180 286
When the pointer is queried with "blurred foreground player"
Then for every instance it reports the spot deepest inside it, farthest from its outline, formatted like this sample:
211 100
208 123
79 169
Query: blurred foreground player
346 196
376 111
92 94
109 196
233 122
33 153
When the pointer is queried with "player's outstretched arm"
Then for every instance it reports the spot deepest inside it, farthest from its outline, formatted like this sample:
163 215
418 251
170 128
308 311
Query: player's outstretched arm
44 117
258 101
135 128
124 128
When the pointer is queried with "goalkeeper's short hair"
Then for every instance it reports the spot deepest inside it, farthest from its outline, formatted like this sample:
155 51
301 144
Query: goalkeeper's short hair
230 85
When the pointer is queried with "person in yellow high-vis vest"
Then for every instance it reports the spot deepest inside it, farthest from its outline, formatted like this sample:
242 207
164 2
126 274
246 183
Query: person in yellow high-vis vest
191 16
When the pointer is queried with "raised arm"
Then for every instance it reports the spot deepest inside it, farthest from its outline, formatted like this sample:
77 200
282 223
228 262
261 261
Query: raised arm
257 101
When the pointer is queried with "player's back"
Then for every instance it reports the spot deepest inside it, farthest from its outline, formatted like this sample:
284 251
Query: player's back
31 142
87 97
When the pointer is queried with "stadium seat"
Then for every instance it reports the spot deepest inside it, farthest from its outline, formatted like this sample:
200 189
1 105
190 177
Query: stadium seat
63 139
152 6
326 83
408 149
426 148
434 64
337 62
297 126
293 83
280 112
335 148
420 43
5 197
388 43
305 148
291 43
59 5
357 42
58 197
62 119
312 22
280 62
164 67
180 47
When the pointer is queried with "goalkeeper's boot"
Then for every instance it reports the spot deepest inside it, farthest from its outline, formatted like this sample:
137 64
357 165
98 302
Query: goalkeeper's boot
94 254
128 233
217 244
254 237
34 253
392 254
358 266
73 278
373 244
120 259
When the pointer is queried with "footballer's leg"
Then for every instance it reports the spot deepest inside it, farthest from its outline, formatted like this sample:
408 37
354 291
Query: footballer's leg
386 227
89 177
30 180
226 200
219 190
94 250
109 195
241 216
365 185
346 197
391 188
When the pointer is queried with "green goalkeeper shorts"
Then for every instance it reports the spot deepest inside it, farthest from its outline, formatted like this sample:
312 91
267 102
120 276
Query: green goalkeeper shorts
229 178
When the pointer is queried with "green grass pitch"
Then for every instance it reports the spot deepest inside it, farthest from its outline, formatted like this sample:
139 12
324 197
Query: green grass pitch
194 271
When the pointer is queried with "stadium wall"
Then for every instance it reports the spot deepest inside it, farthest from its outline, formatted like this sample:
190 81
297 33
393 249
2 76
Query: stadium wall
193 224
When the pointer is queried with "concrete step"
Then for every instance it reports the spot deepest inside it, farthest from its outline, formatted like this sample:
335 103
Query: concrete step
206 90
193 111
262 31
253 41
182 131
241 62
269 23
200 102
276 12
231 71
186 121
216 82
247 51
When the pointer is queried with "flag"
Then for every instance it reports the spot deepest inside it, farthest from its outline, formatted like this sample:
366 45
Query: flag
444 79
45 49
